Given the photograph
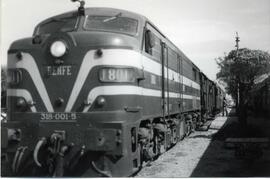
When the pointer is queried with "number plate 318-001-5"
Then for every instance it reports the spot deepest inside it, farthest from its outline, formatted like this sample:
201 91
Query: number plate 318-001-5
58 117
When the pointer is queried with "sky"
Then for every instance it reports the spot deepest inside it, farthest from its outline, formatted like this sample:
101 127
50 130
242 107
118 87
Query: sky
203 29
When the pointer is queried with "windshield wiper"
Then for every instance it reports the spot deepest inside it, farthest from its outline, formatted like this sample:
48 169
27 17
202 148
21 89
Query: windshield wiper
112 18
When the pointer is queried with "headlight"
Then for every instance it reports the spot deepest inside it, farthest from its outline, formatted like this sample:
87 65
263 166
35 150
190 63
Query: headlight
101 101
58 48
117 75
21 103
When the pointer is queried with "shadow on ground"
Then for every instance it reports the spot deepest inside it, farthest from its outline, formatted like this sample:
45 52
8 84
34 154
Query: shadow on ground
217 161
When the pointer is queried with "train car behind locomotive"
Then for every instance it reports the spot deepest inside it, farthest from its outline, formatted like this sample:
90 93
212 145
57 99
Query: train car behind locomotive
259 99
95 92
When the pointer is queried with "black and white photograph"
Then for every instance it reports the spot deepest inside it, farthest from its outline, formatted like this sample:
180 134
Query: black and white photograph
129 88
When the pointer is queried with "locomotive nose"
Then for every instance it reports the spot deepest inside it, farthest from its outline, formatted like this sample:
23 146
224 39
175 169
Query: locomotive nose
61 61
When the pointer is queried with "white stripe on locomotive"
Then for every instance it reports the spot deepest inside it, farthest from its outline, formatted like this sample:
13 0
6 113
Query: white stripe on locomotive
120 57
128 90
28 63
154 67
89 61
109 57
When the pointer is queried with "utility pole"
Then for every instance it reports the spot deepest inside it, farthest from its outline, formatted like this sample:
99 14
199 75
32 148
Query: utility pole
241 109
237 40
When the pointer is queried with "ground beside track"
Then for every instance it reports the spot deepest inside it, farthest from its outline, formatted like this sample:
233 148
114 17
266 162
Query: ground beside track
203 154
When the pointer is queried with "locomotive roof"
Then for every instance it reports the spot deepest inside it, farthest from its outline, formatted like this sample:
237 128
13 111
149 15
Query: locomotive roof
112 12
105 11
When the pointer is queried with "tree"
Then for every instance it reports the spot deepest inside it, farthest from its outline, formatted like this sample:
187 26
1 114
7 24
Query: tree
238 70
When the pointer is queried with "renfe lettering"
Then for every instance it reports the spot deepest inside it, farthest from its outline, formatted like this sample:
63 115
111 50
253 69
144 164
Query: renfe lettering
59 70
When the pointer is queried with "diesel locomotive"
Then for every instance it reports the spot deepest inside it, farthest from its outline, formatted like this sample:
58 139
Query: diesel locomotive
98 92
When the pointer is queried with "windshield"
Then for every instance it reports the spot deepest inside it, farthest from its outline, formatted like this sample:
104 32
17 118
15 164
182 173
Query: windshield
115 23
57 24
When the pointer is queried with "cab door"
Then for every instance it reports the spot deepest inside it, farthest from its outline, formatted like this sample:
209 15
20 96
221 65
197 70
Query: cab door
180 84
164 80
155 53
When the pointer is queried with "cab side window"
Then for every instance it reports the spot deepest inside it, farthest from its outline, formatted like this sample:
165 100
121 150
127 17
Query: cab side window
152 43
194 74
148 45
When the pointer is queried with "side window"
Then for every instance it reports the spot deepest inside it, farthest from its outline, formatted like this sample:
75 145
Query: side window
194 74
152 45
148 42
153 42
156 50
